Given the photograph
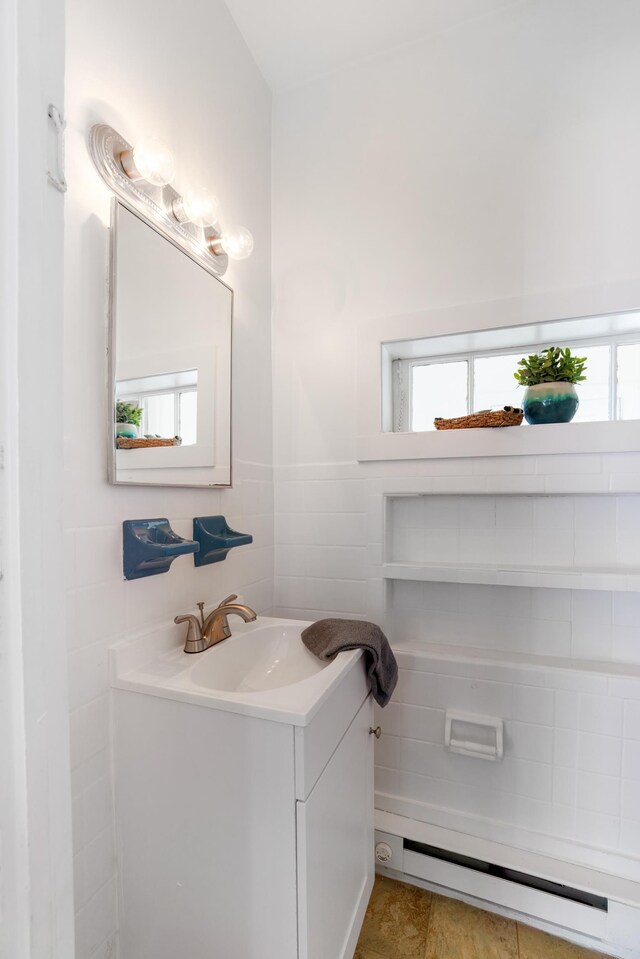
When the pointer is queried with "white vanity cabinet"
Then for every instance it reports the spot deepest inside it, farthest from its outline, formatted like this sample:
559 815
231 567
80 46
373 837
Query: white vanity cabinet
240 836
335 847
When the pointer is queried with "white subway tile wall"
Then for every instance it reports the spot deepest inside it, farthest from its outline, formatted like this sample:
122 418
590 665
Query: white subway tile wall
569 772
560 666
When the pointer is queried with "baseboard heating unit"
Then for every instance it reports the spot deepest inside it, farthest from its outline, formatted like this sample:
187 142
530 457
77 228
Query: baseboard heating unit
510 875
546 898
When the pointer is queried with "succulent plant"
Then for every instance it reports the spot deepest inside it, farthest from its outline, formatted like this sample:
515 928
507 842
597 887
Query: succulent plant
552 365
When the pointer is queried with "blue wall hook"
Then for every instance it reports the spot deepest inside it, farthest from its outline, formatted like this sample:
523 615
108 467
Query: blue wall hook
216 538
149 547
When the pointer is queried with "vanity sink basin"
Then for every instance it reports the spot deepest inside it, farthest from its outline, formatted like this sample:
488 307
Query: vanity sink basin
268 656
262 670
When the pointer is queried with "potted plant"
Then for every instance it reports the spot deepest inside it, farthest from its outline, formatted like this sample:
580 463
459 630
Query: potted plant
550 377
128 416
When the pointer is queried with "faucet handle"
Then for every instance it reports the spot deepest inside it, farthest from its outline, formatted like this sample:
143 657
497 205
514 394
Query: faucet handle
187 618
229 599
193 639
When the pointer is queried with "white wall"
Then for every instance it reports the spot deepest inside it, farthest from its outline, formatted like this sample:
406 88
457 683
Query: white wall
495 161
498 160
569 782
184 74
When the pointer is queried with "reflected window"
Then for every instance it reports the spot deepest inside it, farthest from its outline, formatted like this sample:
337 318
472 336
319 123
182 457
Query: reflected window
158 414
188 417
169 404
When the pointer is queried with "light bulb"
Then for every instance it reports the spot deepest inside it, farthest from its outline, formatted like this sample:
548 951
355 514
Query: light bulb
237 243
150 160
197 206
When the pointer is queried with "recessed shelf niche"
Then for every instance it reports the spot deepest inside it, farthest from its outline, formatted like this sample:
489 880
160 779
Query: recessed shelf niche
557 542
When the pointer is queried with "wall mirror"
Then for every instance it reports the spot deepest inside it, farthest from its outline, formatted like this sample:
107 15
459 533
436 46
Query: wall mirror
170 322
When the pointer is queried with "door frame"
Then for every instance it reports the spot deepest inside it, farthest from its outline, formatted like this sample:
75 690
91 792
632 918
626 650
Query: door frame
36 879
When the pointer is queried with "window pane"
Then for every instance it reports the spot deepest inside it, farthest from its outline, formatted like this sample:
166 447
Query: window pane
160 415
188 417
494 385
594 391
629 381
438 389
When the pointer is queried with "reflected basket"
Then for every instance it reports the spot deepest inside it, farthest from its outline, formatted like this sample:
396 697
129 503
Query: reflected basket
125 443
508 416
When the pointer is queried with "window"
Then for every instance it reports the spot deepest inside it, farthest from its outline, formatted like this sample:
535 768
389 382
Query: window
454 385
436 384
628 382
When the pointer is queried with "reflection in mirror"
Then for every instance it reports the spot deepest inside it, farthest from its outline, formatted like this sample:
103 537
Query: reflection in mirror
170 355
168 404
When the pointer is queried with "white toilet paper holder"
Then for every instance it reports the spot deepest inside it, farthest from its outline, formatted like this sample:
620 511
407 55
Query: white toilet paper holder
468 734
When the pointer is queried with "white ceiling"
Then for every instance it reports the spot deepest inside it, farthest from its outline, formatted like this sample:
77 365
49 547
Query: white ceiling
294 41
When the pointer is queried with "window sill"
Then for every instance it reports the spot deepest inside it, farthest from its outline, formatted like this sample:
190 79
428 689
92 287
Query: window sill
607 437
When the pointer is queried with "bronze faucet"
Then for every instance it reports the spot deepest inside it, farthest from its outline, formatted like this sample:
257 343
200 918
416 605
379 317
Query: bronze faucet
204 633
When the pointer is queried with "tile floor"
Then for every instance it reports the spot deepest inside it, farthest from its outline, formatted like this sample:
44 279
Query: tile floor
403 922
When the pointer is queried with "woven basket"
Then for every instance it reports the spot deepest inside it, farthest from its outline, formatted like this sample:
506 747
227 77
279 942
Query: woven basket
125 443
509 416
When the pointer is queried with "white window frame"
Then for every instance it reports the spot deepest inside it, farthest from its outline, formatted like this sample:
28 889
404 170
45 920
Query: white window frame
515 323
403 373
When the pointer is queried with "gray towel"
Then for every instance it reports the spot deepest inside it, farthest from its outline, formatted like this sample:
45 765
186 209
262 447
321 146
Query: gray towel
328 637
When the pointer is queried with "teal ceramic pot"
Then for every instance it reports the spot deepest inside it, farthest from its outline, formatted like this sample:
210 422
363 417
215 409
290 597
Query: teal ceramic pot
550 403
130 430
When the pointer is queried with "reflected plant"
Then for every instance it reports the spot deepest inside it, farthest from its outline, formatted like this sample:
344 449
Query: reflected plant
128 413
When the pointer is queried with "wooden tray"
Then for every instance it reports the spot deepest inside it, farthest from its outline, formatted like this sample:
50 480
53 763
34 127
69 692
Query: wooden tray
509 416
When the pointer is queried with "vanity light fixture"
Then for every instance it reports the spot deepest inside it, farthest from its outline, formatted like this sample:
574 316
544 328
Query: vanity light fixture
142 175
237 242
203 208
197 206
149 160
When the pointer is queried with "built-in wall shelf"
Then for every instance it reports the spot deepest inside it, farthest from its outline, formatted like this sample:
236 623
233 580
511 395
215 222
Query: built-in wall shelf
420 655
549 577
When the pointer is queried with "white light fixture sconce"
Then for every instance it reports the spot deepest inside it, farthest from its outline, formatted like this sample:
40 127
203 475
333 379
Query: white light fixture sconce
141 176
236 242
197 206
149 160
